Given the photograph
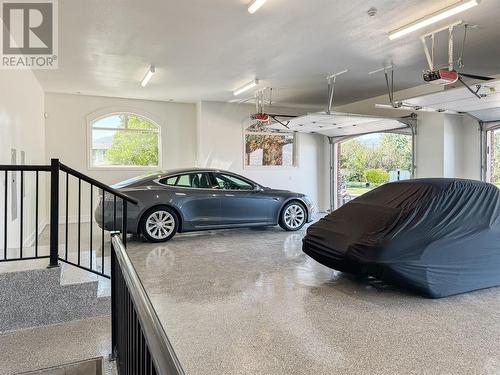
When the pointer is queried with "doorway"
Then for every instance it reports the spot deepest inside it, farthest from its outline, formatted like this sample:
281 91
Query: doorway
371 160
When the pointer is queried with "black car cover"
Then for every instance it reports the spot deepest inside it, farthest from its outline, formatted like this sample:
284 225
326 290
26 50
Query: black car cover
438 237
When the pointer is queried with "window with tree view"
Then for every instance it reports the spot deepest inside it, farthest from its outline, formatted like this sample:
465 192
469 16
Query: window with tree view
124 140
493 147
269 149
371 160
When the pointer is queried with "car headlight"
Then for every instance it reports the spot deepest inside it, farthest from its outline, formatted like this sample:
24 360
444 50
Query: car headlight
308 201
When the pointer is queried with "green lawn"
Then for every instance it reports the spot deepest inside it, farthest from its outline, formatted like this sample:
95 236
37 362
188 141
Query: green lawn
358 190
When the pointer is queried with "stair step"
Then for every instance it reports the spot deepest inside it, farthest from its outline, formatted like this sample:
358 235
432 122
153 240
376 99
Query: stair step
88 367
48 346
36 298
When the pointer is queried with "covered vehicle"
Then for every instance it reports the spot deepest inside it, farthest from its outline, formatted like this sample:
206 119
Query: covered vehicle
437 237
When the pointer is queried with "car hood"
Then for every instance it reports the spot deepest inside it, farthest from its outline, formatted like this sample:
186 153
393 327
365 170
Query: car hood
282 192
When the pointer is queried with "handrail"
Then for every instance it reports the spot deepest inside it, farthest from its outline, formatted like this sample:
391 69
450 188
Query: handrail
31 168
96 183
159 345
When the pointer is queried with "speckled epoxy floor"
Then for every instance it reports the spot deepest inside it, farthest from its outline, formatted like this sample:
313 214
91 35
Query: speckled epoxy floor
250 302
54 345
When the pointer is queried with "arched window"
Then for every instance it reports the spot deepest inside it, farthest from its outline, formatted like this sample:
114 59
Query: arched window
124 140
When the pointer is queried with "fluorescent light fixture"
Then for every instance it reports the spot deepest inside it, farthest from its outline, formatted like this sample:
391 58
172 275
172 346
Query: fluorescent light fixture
433 18
247 87
147 77
255 5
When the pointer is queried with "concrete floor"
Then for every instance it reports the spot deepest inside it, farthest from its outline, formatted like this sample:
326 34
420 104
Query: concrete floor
250 302
54 345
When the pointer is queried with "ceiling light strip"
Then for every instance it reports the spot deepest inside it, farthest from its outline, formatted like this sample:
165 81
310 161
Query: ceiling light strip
147 77
453 9
255 5
246 87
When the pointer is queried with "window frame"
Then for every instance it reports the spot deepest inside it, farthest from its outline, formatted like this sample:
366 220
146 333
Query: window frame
158 181
486 130
250 183
296 150
99 115
211 176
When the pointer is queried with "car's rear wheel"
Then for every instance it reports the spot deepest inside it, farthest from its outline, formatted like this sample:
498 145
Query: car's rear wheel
293 216
159 224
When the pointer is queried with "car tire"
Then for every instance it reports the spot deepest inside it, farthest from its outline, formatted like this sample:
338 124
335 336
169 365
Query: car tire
293 216
159 224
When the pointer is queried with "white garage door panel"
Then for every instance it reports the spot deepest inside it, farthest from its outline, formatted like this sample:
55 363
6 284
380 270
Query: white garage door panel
487 115
462 100
339 124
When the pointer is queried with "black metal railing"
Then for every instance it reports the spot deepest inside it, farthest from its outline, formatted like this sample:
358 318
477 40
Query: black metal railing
61 175
12 174
118 214
139 343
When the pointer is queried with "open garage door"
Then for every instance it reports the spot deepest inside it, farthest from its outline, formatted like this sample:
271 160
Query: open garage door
483 104
339 127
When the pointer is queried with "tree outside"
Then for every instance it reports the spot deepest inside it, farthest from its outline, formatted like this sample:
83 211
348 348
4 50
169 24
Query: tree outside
134 147
365 161
272 146
495 176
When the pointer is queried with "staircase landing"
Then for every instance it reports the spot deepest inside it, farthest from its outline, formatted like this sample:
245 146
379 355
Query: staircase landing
48 346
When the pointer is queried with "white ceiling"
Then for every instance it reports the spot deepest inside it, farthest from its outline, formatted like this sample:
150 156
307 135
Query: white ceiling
203 49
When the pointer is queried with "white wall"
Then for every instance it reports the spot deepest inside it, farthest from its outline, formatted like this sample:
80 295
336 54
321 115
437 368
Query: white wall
67 131
471 148
221 145
67 121
21 128
453 141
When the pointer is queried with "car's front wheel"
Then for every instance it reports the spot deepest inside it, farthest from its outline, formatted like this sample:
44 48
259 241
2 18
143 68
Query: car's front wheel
293 216
159 224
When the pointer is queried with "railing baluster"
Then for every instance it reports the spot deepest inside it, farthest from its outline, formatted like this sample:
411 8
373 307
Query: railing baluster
21 217
124 222
114 299
6 193
91 206
67 210
79 217
36 214
54 212
102 232
114 212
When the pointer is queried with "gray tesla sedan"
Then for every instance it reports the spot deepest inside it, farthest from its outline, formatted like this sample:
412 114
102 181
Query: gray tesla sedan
187 200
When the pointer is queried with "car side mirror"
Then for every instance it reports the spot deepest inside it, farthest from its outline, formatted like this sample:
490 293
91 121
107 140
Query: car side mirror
257 188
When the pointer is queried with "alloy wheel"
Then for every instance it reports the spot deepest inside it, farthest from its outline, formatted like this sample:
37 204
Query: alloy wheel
160 224
294 216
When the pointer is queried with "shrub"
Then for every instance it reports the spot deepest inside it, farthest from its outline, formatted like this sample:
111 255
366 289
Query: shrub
376 176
